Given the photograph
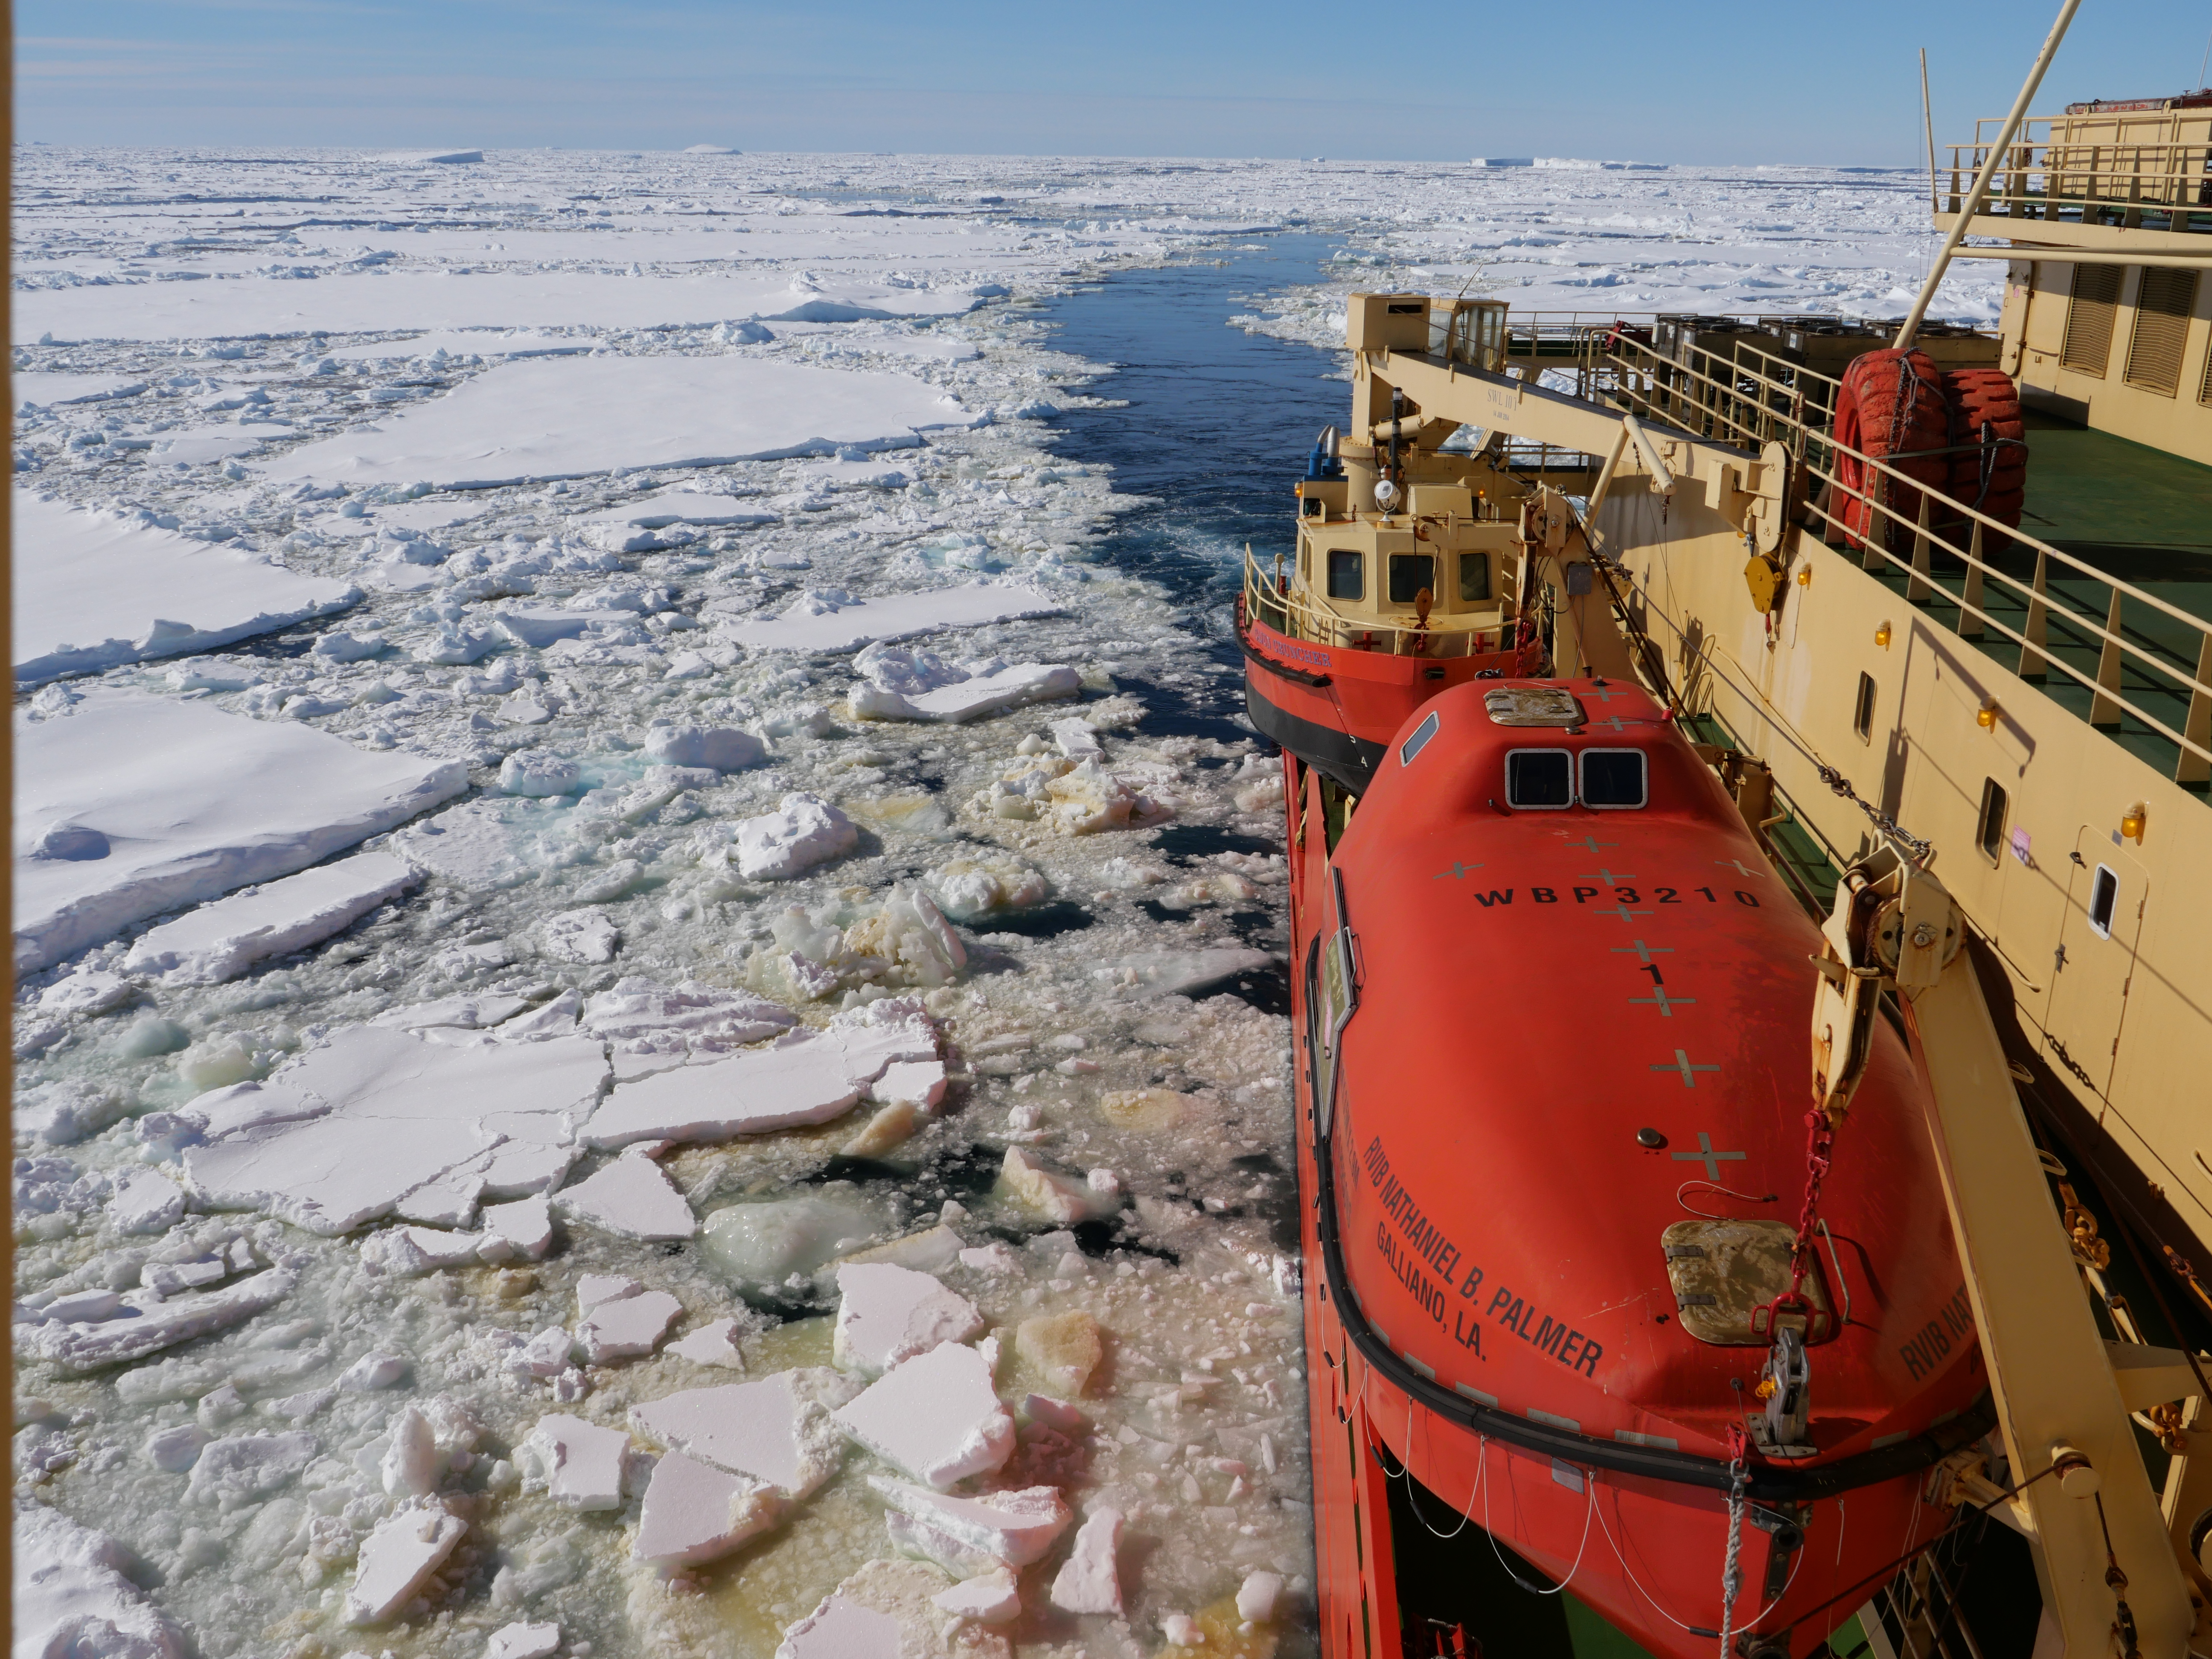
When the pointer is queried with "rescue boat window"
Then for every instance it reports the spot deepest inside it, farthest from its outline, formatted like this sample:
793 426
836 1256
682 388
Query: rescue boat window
1474 577
1614 780
1539 778
1420 740
1409 573
1345 577
2103 899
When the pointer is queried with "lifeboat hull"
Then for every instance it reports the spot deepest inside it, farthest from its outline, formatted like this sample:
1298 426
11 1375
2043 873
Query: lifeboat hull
1494 1350
1335 707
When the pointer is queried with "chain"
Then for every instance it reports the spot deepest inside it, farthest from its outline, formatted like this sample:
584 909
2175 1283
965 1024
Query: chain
1732 1571
1881 820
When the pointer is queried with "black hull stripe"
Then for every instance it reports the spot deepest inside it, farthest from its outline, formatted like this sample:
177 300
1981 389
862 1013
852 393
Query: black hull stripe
1351 761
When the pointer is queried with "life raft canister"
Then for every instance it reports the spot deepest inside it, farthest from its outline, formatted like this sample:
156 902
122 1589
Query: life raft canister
1989 454
1959 432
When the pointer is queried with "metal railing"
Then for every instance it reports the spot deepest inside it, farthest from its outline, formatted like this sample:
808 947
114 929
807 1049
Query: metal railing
2150 169
1292 611
1756 396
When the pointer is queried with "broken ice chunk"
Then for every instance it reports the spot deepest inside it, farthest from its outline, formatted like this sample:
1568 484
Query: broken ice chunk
988 1598
778 1429
764 1244
1257 1596
802 832
584 937
523 1642
1016 1528
627 1327
523 1228
631 1199
1088 1581
1058 1197
534 773
1076 738
1065 1348
87 1345
412 1462
931 1250
176 1450
712 1344
992 692
221 940
694 1512
72 1596
145 1201
887 1315
969 888
411 1252
937 1417
579 1464
404 1549
594 1288
641 1015
1178 973
886 1611
237 1471
372 1371
722 748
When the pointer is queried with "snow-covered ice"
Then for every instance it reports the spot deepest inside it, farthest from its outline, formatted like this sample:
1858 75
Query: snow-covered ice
128 805
694 1512
630 1198
837 621
937 1417
403 1549
579 1465
94 589
1090 1580
887 1314
779 1430
221 940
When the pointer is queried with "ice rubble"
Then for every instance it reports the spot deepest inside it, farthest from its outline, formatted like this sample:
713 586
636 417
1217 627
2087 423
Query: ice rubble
94 589
887 1315
778 1430
630 1198
835 621
128 805
558 418
937 1417
221 940
73 1595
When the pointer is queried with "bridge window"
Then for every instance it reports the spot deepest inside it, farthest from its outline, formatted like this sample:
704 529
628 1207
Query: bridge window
1346 579
1409 573
1474 577
1614 780
1539 779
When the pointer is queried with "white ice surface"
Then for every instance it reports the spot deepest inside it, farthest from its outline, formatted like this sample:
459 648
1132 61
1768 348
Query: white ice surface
777 1430
887 1315
937 1417
73 1598
189 803
630 1198
31 387
220 940
816 623
1015 1526
561 418
481 343
1090 1581
695 1512
580 1464
92 590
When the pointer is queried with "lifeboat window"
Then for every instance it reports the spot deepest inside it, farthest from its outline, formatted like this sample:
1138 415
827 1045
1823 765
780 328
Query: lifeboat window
1614 780
1345 580
2103 899
1409 573
1539 778
1474 577
1420 740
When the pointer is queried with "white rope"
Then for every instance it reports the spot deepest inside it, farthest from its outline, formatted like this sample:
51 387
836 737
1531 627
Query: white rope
1732 1573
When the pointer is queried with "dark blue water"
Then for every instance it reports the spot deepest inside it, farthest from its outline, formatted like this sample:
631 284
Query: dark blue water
1216 429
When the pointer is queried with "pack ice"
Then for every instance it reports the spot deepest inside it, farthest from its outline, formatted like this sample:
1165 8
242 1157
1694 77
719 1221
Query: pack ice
128 806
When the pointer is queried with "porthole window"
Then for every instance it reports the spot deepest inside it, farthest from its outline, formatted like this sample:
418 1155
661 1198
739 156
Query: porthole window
1539 779
1615 780
2103 899
1409 573
1346 579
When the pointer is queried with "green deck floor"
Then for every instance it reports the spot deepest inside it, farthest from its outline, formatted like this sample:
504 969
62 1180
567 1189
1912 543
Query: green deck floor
2131 513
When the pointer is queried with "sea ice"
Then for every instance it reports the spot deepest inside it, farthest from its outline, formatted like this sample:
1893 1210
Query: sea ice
641 1015
778 1429
75 1598
988 691
695 1512
127 807
724 749
1015 1526
630 1198
568 417
636 526
846 624
1258 1595
399 1553
339 1135
1090 1580
221 940
150 1323
937 1417
524 1642
627 1327
888 1314
888 1610
805 831
762 1242
579 1464
94 589
715 1344
584 937
989 1598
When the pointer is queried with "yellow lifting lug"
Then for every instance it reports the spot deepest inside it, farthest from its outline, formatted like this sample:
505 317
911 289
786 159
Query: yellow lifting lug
1763 577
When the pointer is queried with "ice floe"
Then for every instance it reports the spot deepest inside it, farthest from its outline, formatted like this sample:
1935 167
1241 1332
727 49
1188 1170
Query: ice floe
887 1314
779 1430
630 1198
937 1417
837 621
221 940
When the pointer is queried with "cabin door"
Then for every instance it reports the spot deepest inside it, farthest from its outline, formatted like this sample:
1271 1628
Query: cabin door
2093 967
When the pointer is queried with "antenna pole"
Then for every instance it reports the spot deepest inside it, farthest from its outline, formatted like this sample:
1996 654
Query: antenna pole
1989 164
1928 117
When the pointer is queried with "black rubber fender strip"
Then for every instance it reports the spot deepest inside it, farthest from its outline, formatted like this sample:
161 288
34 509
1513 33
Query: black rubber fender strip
1769 1482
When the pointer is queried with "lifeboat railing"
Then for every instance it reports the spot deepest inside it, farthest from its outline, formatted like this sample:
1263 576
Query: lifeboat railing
1294 611
2144 654
2120 167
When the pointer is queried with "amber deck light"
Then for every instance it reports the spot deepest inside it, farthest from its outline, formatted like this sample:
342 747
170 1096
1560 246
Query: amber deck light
2131 823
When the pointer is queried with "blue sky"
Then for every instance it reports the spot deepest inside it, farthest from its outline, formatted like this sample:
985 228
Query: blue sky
1719 83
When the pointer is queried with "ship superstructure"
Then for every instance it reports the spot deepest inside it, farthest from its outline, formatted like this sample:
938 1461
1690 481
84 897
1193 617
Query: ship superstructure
1924 611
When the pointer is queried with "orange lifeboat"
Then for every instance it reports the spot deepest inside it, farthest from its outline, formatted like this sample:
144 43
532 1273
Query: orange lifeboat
1570 1305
